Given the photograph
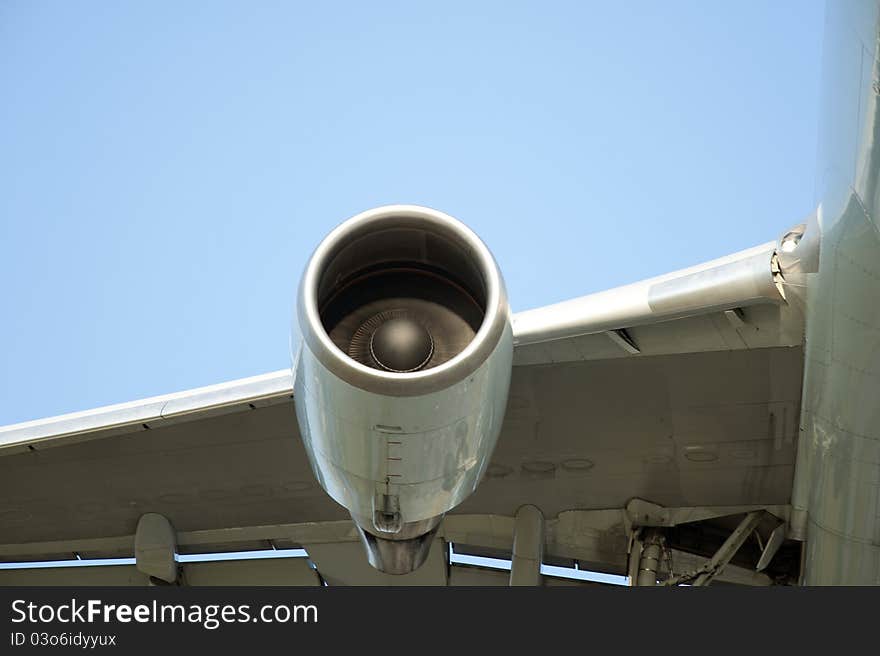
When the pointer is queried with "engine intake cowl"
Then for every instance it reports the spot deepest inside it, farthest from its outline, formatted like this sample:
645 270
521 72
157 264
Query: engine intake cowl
402 377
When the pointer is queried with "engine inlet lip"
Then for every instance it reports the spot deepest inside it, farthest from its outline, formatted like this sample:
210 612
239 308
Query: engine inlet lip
496 319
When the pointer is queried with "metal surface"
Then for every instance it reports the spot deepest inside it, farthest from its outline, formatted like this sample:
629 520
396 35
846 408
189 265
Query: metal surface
243 468
146 414
649 560
155 547
708 571
703 416
799 248
732 574
777 537
759 326
836 496
398 450
633 557
667 401
426 453
402 552
702 429
588 434
597 538
738 280
528 547
346 564
729 548
410 230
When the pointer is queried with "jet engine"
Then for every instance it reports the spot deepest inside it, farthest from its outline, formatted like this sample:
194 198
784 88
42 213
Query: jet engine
402 377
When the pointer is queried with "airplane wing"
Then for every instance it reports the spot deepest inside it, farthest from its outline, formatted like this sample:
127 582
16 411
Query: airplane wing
670 402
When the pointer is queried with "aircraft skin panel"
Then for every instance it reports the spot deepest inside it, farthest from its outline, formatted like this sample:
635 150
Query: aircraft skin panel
238 469
734 281
759 326
679 429
836 497
146 414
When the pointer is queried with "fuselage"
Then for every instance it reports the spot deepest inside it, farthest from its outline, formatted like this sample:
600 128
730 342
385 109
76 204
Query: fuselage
836 495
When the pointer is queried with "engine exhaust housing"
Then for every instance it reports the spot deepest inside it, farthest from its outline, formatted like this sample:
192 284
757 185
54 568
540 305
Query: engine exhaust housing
402 377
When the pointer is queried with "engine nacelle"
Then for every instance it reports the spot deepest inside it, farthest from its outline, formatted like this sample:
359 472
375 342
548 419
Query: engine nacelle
402 378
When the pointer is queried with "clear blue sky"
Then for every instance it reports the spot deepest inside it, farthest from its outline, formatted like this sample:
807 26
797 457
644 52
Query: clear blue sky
166 168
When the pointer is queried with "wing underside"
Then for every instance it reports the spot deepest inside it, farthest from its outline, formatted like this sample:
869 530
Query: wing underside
681 393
